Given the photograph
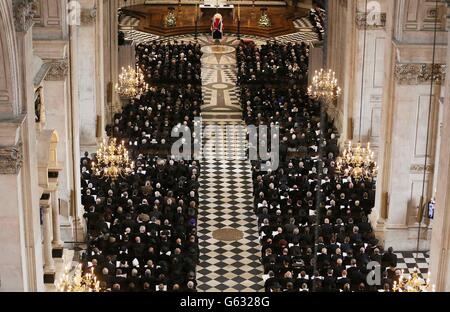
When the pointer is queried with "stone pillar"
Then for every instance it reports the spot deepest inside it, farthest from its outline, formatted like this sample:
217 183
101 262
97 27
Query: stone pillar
13 261
21 266
49 264
341 27
440 244
76 212
56 224
379 213
88 76
56 94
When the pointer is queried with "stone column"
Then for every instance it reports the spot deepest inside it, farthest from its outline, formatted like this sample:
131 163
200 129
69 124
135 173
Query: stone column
49 264
76 212
56 225
342 28
13 262
23 261
88 76
440 244
56 94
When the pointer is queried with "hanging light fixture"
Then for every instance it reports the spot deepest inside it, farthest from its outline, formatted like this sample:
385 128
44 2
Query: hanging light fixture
324 86
357 161
413 283
112 160
131 83
78 282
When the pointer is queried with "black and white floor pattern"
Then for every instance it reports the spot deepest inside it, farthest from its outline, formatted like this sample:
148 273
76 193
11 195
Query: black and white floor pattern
304 24
226 202
409 261
298 37
226 199
139 36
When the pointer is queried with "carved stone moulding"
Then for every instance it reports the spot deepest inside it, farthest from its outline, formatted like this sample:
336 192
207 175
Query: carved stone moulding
88 16
11 159
416 168
376 20
58 70
24 11
420 73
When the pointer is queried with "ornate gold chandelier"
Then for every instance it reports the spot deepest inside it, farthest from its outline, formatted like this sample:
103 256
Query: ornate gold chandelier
131 83
413 283
357 162
112 160
324 86
78 282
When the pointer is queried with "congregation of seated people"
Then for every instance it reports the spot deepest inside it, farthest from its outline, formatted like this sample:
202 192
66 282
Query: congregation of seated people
146 123
273 61
142 228
170 62
289 108
313 220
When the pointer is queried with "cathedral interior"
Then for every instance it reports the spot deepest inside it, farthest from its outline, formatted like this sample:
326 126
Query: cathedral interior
224 146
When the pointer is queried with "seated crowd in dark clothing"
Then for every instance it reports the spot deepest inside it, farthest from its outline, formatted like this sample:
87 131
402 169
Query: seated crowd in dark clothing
145 124
313 222
170 62
142 228
272 62
297 116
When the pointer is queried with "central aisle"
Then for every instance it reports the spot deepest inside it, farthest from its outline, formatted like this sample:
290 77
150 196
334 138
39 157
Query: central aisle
227 226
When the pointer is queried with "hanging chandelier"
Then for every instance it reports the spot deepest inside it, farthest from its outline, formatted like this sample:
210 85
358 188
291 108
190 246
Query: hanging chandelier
112 160
413 283
131 83
324 86
78 282
357 162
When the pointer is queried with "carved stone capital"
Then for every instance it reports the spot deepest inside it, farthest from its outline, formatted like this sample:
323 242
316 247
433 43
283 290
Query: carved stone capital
24 11
58 70
448 14
376 20
11 159
419 73
416 168
88 16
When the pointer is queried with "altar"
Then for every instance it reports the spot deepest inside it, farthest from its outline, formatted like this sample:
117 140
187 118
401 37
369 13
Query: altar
209 8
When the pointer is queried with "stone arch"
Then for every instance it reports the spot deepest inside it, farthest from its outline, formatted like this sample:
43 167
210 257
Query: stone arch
9 78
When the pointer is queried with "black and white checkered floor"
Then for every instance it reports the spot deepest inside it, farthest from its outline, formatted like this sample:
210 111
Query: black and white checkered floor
226 202
409 261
